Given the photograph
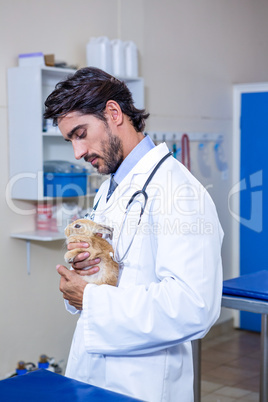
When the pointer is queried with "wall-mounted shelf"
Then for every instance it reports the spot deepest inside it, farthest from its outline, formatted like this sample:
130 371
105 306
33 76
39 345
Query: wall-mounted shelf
30 145
39 235
36 236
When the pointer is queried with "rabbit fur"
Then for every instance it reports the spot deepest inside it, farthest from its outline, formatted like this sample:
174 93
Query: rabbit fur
85 230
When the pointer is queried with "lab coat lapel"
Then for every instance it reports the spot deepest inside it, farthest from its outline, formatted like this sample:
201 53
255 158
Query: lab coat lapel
149 160
133 179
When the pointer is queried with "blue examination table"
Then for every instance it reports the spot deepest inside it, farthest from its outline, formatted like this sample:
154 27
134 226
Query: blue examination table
250 293
45 386
244 293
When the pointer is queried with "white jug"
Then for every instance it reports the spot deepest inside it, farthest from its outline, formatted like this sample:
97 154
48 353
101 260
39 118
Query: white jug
99 54
119 64
131 55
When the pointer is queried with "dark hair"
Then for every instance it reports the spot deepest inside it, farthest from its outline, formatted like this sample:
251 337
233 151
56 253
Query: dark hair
87 91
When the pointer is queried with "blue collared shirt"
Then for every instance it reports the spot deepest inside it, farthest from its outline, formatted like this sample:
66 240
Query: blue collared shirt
133 158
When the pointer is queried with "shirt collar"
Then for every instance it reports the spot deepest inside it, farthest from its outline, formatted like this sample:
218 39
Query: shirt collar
133 158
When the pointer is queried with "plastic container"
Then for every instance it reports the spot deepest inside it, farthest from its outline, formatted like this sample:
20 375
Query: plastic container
65 184
64 179
31 59
131 60
99 54
67 213
43 362
59 166
43 216
119 60
21 369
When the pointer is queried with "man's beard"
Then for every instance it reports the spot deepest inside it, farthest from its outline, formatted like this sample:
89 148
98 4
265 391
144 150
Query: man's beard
112 154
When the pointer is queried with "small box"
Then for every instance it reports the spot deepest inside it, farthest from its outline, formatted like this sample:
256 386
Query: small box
31 59
49 60
65 184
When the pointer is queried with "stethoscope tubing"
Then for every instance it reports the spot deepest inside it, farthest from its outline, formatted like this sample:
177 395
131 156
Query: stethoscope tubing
130 202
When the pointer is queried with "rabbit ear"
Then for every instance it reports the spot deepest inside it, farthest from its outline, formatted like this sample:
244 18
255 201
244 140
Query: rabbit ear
103 230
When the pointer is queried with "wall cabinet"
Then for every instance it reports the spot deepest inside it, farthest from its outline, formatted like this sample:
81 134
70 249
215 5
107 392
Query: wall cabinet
30 145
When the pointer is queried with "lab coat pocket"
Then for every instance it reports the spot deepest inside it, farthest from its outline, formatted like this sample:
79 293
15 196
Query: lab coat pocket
138 376
77 357
84 366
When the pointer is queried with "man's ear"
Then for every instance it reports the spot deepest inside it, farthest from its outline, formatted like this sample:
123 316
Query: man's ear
114 112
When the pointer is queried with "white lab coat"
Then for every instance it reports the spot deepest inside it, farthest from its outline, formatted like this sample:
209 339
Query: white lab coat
135 338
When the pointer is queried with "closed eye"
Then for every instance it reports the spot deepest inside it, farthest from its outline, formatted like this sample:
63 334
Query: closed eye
79 131
82 135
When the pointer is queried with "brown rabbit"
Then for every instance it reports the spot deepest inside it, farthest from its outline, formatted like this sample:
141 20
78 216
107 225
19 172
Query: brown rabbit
85 230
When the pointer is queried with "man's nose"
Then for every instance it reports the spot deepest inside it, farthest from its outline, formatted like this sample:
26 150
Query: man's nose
79 150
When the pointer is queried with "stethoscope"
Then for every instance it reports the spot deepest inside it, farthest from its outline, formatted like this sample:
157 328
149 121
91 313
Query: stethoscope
134 198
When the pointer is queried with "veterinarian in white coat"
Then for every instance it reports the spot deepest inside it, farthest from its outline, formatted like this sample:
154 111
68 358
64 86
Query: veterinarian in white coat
136 338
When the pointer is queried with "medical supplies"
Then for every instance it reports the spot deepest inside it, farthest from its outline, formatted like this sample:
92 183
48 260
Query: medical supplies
64 179
116 57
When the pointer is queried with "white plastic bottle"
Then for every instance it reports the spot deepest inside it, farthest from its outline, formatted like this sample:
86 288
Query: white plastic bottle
131 55
99 53
119 61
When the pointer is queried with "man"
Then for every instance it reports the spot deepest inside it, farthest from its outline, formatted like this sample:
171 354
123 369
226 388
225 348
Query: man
135 338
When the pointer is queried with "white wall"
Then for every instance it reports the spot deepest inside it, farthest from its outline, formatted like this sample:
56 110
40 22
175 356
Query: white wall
191 53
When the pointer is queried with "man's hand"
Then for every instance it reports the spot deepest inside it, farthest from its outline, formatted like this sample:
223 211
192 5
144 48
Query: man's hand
72 286
81 264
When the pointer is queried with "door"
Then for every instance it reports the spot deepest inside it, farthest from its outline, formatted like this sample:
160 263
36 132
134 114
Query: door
253 192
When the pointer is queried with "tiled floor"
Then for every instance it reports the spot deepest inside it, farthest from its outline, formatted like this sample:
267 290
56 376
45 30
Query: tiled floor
230 367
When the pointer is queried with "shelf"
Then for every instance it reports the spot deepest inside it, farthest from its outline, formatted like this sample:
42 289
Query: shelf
60 70
129 79
52 133
56 199
39 235
28 88
36 236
